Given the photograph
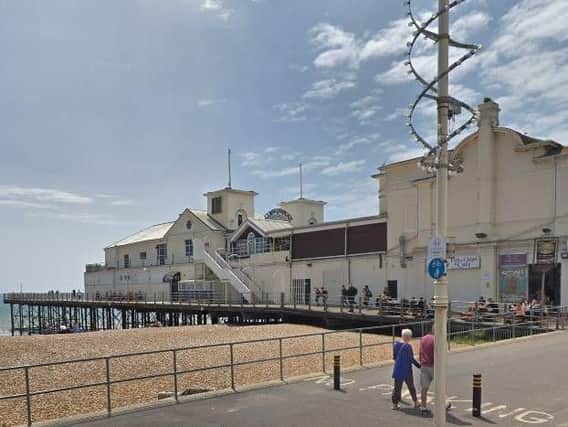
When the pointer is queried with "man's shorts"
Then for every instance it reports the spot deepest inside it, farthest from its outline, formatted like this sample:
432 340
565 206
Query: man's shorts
426 376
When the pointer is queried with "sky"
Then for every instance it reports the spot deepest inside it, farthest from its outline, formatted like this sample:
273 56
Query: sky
118 115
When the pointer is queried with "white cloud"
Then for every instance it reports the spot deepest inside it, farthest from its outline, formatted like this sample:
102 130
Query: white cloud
122 202
527 65
31 194
25 204
317 162
355 141
341 48
365 108
212 5
208 102
330 88
271 149
218 7
402 152
343 167
84 218
292 111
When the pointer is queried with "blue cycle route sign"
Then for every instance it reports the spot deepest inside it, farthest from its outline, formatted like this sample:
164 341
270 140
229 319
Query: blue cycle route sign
436 268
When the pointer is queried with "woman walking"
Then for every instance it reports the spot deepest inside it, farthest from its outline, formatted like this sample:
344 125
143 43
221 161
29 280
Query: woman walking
402 372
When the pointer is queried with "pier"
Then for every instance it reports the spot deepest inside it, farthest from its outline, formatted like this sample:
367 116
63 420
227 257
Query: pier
46 313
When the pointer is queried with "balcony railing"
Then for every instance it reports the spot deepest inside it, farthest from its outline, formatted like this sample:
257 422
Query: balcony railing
141 263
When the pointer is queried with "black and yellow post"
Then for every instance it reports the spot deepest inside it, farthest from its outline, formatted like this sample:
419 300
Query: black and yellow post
336 372
476 407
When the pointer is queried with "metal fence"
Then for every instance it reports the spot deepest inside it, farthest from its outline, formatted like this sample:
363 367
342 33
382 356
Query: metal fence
359 342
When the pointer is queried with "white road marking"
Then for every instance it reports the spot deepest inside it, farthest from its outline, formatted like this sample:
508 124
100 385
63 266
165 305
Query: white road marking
513 412
483 405
534 417
496 408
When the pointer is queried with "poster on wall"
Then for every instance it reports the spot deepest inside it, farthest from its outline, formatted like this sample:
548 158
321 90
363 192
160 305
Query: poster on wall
513 283
545 251
513 280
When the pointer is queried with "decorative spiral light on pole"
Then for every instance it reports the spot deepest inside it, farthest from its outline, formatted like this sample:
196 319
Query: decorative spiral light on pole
431 161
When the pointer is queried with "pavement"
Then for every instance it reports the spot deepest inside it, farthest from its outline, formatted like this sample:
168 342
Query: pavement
524 382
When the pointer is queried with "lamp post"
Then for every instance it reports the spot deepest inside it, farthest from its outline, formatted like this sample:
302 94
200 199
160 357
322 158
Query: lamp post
441 285
439 161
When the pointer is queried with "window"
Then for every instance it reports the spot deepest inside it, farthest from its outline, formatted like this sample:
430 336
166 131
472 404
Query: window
142 256
216 205
162 253
126 261
189 248
312 221
239 219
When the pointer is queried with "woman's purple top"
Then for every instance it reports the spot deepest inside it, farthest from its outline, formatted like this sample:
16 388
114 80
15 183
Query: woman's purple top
403 360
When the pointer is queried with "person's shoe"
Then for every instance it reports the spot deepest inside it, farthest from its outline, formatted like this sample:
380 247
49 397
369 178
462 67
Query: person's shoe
448 405
416 405
395 406
424 411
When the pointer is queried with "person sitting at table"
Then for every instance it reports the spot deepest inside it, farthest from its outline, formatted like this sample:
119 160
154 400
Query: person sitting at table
492 306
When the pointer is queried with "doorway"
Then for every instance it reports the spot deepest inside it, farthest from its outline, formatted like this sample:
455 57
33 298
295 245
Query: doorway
551 282
392 289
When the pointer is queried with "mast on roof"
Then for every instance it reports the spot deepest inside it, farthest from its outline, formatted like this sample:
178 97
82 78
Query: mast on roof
301 184
229 166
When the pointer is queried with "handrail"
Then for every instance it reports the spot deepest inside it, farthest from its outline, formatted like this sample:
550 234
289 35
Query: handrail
387 331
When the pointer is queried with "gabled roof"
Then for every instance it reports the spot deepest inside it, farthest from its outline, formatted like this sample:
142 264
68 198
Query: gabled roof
204 217
262 226
154 232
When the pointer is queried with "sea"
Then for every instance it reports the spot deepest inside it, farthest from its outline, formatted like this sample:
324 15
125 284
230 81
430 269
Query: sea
4 317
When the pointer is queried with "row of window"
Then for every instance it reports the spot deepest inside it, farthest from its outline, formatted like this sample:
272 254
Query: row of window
258 245
161 254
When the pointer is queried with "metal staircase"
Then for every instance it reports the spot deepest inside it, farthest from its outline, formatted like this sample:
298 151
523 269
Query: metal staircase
221 268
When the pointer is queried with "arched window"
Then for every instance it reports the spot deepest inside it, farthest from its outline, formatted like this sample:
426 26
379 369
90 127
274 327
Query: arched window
241 216
312 221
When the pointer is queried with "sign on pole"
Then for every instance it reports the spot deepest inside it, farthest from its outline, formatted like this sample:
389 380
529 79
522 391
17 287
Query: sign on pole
436 268
437 248
436 262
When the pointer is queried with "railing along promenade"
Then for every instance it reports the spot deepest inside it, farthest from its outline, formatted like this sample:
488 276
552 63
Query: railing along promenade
358 347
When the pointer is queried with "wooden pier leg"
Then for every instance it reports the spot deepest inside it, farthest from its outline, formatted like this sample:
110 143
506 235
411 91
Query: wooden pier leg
12 317
21 319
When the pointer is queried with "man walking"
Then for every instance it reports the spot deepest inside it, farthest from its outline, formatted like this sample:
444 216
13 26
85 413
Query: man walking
427 369
402 371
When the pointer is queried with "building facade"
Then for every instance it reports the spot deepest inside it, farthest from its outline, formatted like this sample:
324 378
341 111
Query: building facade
508 206
507 234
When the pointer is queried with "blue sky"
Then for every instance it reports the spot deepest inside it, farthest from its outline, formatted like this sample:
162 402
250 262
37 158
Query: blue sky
117 115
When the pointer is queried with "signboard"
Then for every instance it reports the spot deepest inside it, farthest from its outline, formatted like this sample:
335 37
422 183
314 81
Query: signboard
436 268
513 283
437 248
464 262
513 280
545 251
513 259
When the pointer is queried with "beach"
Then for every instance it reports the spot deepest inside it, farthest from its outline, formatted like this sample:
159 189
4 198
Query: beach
49 348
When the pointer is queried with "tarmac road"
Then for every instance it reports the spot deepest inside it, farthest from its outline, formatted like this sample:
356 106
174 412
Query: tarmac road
524 383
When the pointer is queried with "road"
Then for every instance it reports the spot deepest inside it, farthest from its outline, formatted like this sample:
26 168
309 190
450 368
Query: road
524 383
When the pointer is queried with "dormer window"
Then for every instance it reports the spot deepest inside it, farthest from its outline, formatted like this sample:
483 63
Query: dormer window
216 205
240 219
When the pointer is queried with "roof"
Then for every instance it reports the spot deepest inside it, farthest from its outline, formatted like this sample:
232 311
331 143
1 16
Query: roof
204 217
270 225
154 232
303 200
232 190
263 226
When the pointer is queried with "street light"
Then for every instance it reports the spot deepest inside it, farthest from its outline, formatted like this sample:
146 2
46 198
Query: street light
438 160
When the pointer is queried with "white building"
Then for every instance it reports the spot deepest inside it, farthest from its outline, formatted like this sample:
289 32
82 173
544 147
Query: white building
510 194
229 250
